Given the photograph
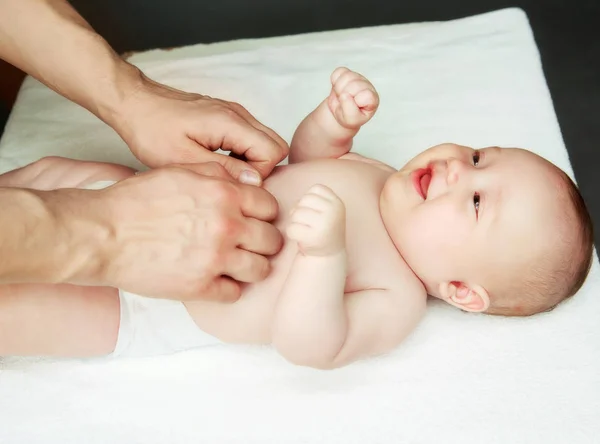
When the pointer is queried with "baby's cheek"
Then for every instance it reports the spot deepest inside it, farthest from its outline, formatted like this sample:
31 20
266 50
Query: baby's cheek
445 227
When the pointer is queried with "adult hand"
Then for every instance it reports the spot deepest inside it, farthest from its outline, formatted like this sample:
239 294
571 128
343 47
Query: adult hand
187 232
163 125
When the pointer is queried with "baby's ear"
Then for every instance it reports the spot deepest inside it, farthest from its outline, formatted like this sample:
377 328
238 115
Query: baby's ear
472 298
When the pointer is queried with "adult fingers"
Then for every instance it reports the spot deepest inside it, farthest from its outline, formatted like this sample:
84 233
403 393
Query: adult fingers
235 168
211 169
262 147
244 266
257 203
260 237
244 113
221 289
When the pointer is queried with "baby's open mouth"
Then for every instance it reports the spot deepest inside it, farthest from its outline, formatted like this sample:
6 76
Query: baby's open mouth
421 179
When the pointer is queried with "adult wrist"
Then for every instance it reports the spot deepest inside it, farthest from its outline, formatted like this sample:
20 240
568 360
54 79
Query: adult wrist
81 238
112 103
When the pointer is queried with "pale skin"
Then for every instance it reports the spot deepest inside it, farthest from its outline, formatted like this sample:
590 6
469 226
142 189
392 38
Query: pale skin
207 196
341 288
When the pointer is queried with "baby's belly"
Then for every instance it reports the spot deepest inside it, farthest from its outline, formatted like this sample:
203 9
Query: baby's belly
249 319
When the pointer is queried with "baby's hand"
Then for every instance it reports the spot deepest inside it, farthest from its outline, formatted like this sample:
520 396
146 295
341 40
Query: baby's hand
353 99
318 222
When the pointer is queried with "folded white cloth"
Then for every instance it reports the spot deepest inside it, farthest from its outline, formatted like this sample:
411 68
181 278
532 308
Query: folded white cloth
460 378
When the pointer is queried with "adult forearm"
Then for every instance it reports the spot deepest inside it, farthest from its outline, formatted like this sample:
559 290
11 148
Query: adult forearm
49 40
51 237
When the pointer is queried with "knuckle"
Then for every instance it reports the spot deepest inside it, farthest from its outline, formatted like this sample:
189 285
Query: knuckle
226 228
201 289
213 261
224 192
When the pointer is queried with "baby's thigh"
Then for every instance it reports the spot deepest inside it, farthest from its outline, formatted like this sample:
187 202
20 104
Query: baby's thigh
58 320
53 172
70 173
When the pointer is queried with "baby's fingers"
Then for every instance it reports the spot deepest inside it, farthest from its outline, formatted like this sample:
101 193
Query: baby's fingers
348 114
338 73
298 232
351 82
367 100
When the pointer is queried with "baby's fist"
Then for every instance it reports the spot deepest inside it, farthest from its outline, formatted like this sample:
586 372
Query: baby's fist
353 99
318 222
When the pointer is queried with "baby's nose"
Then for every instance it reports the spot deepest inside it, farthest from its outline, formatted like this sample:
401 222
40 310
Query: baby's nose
455 169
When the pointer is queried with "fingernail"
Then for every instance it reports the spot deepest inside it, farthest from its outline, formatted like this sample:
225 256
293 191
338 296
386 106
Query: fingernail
250 177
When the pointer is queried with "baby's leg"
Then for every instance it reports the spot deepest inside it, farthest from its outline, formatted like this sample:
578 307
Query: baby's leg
50 173
59 320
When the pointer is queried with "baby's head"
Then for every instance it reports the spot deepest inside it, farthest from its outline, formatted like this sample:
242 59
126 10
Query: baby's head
501 231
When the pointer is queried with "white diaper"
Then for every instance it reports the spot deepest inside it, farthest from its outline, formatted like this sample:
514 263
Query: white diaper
151 327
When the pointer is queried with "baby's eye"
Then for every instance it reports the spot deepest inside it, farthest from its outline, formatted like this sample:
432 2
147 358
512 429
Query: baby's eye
476 203
476 156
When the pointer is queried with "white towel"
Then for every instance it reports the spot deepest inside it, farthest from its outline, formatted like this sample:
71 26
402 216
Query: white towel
460 378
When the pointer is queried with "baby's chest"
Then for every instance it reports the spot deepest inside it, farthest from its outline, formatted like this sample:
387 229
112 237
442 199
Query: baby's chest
370 250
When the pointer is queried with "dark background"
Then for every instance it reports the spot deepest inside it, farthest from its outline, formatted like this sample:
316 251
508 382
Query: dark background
567 34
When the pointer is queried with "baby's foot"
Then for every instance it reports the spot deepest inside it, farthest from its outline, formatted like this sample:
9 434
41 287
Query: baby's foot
353 99
50 173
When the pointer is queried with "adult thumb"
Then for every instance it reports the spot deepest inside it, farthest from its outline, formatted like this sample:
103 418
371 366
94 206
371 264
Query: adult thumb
238 169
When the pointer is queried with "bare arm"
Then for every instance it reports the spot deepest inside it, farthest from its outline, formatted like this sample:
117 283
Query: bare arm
328 131
318 325
161 125
48 237
130 235
49 40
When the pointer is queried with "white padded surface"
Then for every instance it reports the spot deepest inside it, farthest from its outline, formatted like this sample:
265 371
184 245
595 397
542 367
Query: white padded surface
460 378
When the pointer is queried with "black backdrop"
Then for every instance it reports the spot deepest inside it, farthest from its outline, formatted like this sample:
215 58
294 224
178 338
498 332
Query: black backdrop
567 34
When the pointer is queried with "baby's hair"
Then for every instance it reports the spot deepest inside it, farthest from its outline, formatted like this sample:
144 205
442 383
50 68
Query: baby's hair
586 227
559 276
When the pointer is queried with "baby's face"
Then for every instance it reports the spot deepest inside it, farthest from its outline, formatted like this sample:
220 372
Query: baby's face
477 217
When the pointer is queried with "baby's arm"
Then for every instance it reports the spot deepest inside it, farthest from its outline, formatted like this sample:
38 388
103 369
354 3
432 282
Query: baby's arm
316 324
328 131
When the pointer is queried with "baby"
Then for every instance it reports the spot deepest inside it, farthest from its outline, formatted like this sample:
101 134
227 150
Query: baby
500 231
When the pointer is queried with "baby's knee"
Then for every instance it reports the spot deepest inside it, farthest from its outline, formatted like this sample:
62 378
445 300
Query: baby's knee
114 172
